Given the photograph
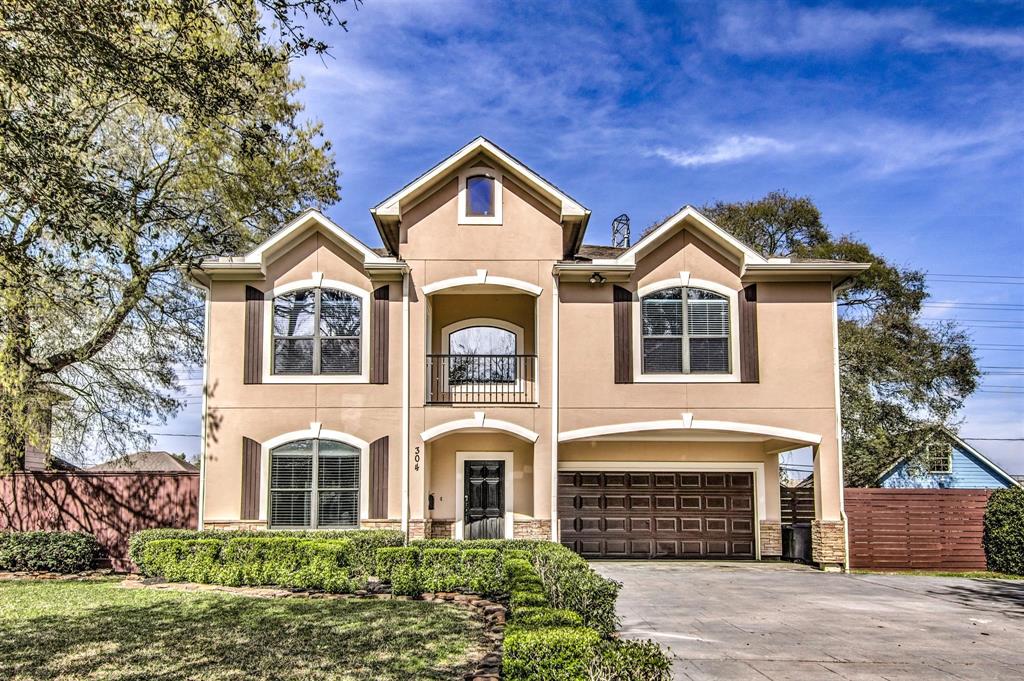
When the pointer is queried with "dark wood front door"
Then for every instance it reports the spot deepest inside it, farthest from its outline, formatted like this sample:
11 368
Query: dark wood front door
657 514
484 513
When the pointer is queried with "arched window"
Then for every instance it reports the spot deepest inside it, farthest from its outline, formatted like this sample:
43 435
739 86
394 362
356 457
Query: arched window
685 331
317 331
480 196
314 484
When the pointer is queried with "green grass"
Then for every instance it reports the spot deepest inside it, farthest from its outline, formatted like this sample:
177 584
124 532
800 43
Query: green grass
977 574
99 631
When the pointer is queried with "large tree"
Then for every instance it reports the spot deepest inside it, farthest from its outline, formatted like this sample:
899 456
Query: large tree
902 377
136 138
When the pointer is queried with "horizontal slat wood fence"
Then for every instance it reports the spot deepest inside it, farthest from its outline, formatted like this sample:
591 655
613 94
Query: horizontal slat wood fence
111 506
797 504
922 529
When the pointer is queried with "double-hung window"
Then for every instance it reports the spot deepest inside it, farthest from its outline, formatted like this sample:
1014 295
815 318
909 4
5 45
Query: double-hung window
317 331
685 330
314 484
939 458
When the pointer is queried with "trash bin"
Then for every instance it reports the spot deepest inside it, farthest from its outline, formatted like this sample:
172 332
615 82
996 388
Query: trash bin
796 542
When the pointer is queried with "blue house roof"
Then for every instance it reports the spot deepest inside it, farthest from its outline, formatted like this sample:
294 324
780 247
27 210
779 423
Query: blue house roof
969 469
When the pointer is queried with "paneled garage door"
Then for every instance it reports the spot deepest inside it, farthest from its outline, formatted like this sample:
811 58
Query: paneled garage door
657 515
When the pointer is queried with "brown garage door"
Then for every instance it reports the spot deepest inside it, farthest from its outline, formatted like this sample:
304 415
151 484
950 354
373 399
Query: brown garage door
657 515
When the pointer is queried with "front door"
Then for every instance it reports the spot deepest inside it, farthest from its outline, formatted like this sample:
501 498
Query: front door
484 513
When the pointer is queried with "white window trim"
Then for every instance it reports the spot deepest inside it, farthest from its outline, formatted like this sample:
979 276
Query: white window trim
757 468
316 432
929 458
316 281
465 219
685 280
460 488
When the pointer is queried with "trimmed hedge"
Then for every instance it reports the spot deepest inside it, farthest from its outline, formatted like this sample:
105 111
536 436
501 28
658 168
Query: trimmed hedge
630 661
390 559
441 569
1004 531
361 559
47 551
571 584
551 654
254 561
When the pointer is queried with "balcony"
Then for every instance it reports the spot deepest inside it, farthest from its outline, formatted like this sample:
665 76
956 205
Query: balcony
481 379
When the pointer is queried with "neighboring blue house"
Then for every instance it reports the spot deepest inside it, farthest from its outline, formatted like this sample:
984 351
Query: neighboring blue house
954 464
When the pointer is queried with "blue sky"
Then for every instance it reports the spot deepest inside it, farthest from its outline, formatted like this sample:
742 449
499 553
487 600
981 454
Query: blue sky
904 123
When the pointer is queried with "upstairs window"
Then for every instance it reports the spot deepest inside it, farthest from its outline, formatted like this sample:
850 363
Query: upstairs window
317 331
480 196
685 331
939 458
314 484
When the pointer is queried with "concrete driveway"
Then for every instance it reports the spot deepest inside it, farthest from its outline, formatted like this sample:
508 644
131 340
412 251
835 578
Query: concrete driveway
779 621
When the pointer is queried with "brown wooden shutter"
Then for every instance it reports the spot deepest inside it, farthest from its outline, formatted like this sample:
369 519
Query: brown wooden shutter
749 370
623 314
379 478
250 479
379 335
253 351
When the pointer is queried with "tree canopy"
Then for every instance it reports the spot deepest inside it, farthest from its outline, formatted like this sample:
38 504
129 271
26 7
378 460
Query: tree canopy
136 138
902 377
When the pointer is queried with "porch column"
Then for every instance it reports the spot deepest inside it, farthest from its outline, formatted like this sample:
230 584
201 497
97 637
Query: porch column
828 531
771 523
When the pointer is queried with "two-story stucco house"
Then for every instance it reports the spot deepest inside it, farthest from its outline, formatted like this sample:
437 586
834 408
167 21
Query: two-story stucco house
485 374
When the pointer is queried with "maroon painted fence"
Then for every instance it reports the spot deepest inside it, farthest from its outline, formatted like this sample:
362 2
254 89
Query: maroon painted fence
923 529
109 505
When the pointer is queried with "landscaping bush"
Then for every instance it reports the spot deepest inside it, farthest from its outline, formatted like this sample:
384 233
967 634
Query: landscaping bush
571 584
536 617
629 661
441 569
49 551
1004 531
481 571
405 580
193 560
551 654
392 557
361 559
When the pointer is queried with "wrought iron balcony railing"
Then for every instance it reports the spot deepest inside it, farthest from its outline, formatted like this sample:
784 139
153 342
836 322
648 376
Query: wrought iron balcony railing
481 379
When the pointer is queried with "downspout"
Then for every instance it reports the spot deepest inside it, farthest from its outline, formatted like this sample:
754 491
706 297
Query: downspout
839 423
554 407
405 404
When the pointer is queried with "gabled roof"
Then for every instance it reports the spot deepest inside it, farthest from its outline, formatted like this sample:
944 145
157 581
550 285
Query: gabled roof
980 458
388 213
309 221
163 462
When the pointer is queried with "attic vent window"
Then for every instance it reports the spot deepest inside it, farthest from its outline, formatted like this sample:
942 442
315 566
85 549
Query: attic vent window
480 197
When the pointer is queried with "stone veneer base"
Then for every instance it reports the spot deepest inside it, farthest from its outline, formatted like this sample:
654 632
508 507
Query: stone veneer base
828 544
771 539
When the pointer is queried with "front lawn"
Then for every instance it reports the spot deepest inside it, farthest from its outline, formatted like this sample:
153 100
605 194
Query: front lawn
99 631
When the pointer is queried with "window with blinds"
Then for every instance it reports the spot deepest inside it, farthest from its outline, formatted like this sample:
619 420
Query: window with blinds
314 484
317 331
684 331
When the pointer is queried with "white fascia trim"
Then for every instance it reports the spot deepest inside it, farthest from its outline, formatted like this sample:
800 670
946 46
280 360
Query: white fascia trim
316 431
688 423
482 278
755 467
684 279
460 486
674 223
464 218
391 206
477 423
304 219
316 280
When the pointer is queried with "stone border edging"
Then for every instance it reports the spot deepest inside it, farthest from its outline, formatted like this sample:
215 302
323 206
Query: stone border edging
487 666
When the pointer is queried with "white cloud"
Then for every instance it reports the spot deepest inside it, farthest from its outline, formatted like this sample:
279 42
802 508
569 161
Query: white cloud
777 28
732 148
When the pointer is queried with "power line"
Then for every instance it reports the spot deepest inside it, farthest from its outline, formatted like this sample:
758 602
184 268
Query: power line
995 439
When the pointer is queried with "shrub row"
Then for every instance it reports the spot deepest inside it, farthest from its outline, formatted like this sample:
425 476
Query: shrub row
49 551
1004 531
364 543
255 561
561 611
544 642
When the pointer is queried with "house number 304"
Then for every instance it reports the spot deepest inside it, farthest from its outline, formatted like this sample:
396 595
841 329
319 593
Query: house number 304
416 458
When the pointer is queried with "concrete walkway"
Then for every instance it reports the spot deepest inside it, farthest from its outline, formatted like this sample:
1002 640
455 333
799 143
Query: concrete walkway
740 621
